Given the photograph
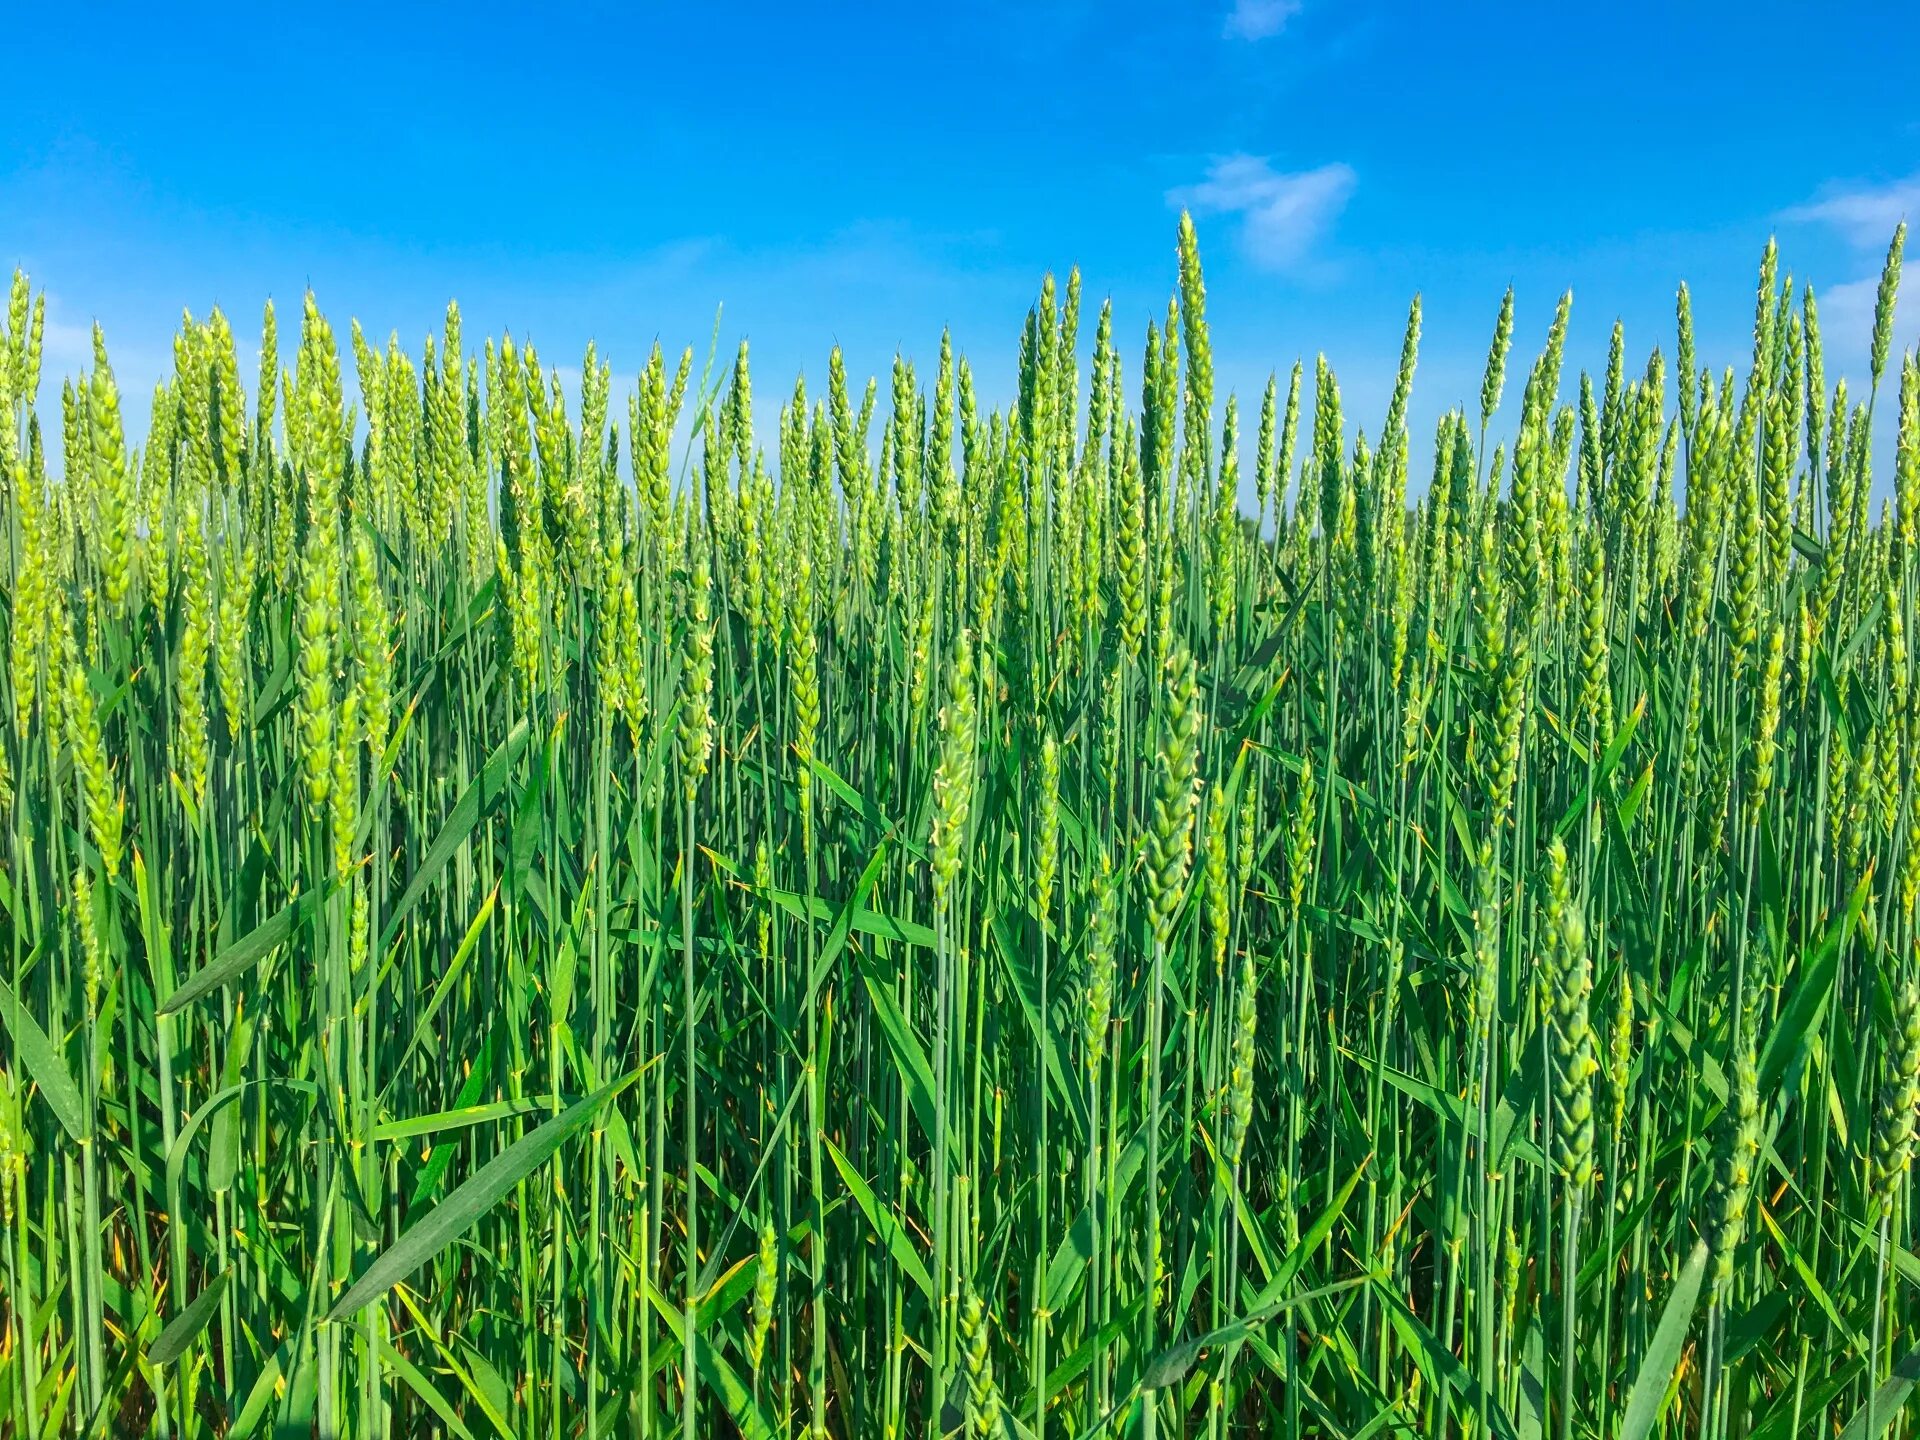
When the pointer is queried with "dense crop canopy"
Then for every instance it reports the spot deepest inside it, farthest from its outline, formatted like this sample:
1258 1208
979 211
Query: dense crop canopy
926 919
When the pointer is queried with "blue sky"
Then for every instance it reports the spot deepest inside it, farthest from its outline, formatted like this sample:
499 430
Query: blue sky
873 174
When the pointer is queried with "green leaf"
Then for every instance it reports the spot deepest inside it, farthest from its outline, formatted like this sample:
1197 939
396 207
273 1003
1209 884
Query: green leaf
867 922
471 1199
1799 1015
909 1058
1453 1109
1811 1281
742 1408
215 1104
892 1234
1533 1390
868 811
171 1343
249 950
1170 1366
455 967
480 1386
1887 1401
1649 1394
44 1064
1075 1249
483 792
265 1387
466 1115
223 1144
441 1155
1797 1406
1091 1348
1025 986
1314 1236
1439 1364
423 1387
1610 758
836 940
487 1385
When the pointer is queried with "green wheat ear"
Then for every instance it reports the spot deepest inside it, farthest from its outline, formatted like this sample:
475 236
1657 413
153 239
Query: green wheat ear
983 1394
1620 1051
1567 984
766 1287
1102 925
1047 828
1884 300
1734 1174
14 1153
1214 871
1495 377
1168 842
1302 835
1240 1075
103 804
1899 1101
694 736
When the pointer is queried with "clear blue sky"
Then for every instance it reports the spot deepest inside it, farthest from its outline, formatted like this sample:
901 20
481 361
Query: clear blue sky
875 172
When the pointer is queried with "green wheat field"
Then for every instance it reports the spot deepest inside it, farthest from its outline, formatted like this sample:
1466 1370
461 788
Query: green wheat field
527 919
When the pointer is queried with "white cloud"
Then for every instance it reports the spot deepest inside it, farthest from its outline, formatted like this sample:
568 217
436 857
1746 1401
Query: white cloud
66 342
1260 19
1846 316
1865 214
66 348
1283 215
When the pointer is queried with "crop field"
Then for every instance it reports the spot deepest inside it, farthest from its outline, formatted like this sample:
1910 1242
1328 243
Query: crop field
610 910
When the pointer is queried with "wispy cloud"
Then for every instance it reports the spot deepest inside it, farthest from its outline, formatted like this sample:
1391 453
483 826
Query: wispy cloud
66 349
1846 315
1283 214
65 346
1865 214
1260 19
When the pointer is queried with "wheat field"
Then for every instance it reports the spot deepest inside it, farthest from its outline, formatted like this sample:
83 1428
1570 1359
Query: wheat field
1114 915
